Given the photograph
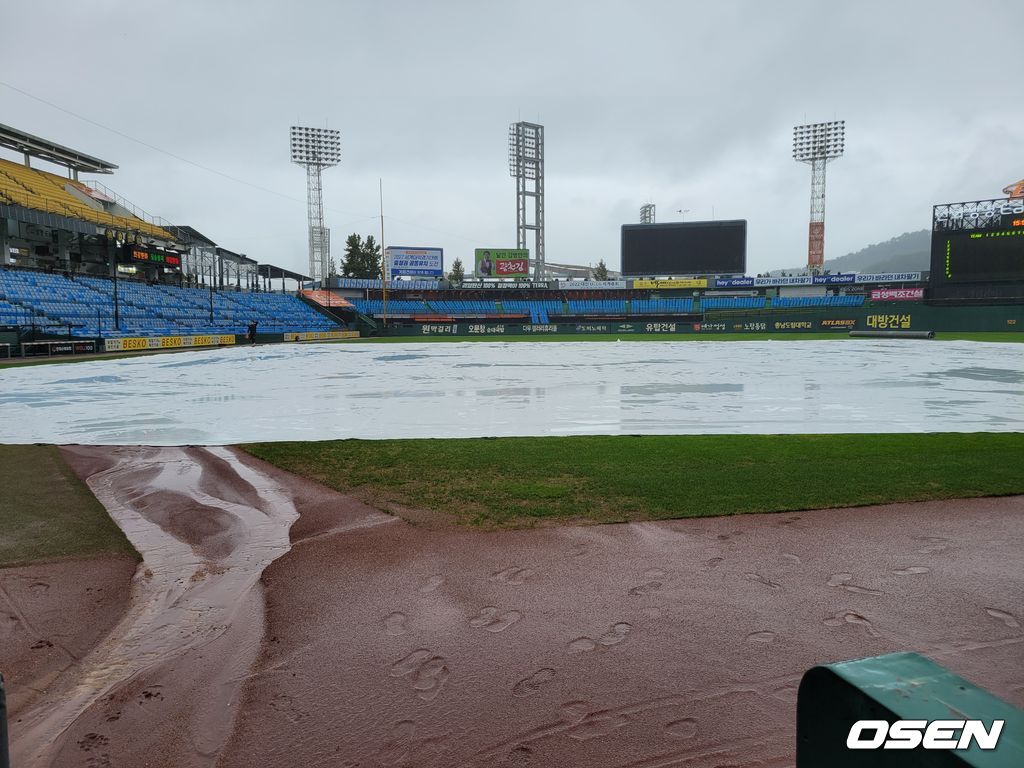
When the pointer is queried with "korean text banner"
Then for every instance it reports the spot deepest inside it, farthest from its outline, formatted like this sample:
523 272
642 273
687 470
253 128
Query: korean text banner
897 294
501 262
415 262
690 283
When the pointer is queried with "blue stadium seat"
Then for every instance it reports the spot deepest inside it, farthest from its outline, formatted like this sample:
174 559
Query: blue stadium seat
732 302
86 305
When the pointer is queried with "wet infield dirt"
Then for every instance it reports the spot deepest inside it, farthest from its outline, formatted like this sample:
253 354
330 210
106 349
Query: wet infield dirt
373 642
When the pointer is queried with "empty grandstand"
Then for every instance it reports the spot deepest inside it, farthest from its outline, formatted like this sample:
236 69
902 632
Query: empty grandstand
732 302
90 307
853 300
79 261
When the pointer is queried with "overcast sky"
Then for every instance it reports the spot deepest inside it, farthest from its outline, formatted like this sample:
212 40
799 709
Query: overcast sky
687 105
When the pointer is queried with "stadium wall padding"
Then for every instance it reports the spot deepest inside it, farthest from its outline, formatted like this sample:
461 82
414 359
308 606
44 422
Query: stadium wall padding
890 316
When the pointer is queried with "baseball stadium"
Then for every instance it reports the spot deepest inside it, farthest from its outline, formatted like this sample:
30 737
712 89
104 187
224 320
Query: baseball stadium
409 507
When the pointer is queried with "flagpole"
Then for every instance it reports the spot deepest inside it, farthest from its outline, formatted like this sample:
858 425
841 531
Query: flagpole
383 254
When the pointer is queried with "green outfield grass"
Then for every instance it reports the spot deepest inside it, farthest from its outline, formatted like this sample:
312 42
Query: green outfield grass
990 336
512 482
47 513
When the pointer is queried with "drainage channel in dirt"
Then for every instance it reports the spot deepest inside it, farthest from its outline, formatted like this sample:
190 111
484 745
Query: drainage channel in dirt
165 680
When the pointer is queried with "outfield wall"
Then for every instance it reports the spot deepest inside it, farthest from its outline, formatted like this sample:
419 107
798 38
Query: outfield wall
890 316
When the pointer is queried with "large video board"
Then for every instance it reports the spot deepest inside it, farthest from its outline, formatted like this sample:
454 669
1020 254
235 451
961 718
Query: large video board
685 248
978 242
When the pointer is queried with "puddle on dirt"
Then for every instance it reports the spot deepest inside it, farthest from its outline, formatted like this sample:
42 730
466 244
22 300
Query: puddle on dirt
206 525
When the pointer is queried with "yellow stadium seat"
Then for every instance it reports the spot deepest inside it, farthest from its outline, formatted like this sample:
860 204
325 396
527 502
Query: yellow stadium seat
48 192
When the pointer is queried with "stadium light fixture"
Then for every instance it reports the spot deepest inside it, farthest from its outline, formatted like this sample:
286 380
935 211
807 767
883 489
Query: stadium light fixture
526 166
316 149
818 144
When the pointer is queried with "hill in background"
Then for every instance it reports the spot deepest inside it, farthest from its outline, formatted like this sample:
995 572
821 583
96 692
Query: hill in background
909 252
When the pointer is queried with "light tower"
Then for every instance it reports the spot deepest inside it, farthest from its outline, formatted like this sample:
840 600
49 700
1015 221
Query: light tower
647 213
525 165
817 144
316 149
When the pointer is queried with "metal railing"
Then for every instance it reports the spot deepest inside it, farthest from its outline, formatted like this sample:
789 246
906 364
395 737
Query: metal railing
127 204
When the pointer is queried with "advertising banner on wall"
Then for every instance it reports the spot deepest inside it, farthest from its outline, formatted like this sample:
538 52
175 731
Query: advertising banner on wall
505 285
415 262
591 285
897 294
890 277
691 283
840 279
501 262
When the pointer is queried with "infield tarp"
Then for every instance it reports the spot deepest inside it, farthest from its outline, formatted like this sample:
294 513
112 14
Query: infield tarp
398 390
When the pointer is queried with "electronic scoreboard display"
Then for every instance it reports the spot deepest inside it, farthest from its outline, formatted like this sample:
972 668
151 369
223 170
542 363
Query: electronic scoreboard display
684 248
978 242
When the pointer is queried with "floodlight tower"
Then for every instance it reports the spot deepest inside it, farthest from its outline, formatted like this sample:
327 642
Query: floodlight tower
525 165
647 213
316 149
817 144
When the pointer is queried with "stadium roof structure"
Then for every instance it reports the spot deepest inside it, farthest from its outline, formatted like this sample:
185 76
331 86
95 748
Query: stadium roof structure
270 271
35 146
238 258
190 236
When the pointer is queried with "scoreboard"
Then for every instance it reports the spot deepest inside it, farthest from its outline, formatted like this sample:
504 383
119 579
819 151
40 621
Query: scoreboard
978 242
684 248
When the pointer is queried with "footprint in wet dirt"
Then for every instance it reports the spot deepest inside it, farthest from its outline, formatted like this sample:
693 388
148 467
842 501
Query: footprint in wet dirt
598 724
396 623
425 671
849 617
513 575
39 645
645 589
785 692
530 685
92 742
843 580
1004 616
714 562
913 570
151 694
403 746
681 729
39 587
654 580
431 584
520 756
759 579
764 637
578 550
615 635
286 705
491 619
932 544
